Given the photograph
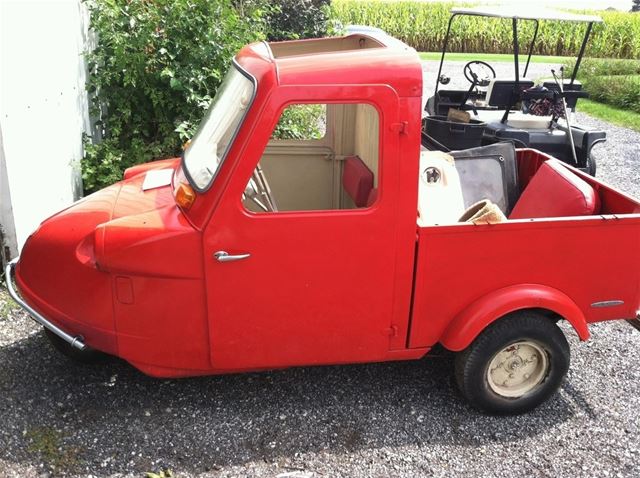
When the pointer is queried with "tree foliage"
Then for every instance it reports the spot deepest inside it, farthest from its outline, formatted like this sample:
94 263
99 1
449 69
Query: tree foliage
292 19
157 64
153 73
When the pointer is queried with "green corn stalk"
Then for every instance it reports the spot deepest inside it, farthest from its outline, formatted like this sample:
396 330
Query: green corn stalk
423 25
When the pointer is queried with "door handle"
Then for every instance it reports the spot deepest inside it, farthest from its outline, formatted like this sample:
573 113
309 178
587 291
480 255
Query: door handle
224 256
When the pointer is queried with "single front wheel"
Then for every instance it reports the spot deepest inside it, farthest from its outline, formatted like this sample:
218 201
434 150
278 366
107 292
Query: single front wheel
517 363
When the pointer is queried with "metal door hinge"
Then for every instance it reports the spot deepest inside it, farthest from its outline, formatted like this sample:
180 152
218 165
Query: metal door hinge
401 128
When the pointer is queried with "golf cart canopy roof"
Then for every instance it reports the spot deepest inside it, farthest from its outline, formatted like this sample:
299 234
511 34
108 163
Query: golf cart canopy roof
533 15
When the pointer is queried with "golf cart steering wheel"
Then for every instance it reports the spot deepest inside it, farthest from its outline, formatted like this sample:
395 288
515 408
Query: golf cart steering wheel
479 73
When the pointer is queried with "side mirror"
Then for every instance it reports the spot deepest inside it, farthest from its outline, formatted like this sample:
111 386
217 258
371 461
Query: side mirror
444 79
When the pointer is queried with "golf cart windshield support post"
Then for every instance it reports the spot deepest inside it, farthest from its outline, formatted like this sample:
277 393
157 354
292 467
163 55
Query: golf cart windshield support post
516 51
516 55
533 42
444 50
582 48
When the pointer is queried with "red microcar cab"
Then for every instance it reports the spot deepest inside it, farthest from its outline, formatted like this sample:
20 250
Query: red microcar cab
305 224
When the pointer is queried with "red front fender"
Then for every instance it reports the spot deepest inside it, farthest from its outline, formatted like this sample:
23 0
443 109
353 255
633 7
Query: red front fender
467 325
143 168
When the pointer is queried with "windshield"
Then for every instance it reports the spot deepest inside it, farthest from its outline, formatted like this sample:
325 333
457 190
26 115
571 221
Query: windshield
210 144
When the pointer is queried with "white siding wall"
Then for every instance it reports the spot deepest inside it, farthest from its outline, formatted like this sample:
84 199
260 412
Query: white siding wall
43 111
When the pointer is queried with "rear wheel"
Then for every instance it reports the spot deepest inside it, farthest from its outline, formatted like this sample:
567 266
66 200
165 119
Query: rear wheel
86 356
591 164
514 365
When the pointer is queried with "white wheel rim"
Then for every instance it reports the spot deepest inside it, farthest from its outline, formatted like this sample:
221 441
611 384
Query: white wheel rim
517 369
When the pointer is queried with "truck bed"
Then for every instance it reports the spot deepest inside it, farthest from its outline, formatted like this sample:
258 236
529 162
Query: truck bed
590 259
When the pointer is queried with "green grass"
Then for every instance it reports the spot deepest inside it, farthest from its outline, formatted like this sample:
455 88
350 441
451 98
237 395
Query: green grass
617 116
47 443
7 305
489 57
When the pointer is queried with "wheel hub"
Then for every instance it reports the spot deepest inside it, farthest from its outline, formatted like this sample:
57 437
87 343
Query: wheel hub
517 369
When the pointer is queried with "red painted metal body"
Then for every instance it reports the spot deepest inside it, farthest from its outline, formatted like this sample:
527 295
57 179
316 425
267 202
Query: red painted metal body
135 275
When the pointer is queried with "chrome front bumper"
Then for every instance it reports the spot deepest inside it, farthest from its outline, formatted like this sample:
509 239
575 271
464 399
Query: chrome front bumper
75 342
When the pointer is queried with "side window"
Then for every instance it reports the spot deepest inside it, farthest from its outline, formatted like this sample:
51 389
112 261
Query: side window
320 157
302 122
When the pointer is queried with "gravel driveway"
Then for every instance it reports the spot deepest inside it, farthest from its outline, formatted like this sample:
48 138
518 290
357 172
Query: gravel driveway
394 419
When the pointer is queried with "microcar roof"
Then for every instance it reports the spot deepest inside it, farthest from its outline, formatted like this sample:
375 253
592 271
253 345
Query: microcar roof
359 58
538 14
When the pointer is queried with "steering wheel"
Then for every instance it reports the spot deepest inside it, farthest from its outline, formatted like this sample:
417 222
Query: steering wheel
479 73
259 192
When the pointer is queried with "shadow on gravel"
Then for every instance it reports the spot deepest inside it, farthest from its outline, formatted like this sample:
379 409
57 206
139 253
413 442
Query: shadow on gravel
110 418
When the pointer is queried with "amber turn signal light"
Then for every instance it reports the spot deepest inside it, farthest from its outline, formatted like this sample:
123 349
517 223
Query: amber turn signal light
185 196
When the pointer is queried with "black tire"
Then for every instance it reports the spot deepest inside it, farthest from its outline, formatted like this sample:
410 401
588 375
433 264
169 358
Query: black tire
86 356
530 329
592 164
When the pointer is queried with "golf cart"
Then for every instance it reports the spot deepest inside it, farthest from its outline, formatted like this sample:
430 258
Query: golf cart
512 109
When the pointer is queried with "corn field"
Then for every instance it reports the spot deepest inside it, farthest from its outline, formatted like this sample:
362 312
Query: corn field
423 26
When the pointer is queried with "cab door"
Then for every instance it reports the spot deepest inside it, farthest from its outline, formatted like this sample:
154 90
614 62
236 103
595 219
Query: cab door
301 287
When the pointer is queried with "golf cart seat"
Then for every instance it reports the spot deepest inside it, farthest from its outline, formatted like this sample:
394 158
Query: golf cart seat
499 96
443 100
520 120
517 121
572 91
500 90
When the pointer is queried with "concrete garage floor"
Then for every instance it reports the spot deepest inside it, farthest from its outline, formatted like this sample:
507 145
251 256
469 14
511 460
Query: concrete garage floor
396 419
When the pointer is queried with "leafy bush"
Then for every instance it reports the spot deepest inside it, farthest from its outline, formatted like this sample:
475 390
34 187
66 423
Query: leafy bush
603 66
614 82
302 122
422 25
153 73
292 19
622 91
157 65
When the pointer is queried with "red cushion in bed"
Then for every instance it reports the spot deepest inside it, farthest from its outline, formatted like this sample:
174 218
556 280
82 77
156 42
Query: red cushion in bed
554 191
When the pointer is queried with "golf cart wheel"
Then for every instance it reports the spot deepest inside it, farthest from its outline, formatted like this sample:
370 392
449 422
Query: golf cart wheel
513 366
86 356
591 164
